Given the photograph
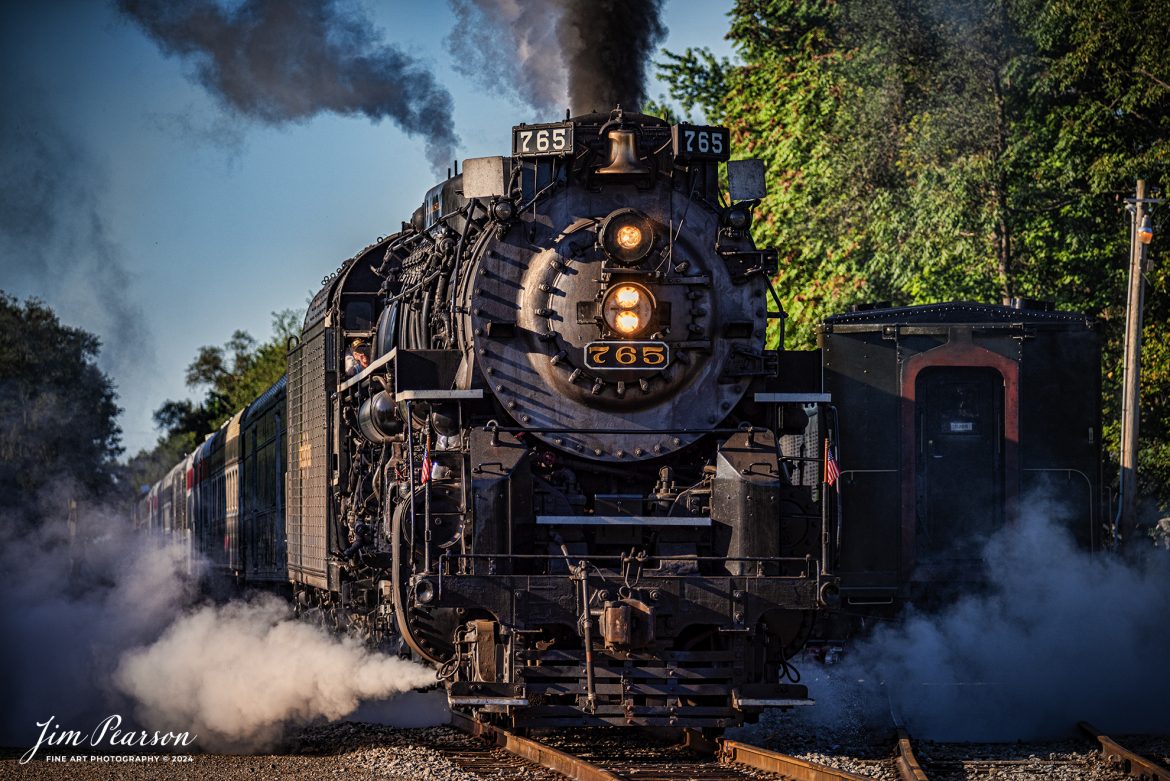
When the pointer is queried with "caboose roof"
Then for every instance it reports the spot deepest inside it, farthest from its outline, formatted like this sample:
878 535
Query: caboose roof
957 312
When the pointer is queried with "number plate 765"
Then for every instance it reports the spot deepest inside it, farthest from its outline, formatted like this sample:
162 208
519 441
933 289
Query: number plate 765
626 355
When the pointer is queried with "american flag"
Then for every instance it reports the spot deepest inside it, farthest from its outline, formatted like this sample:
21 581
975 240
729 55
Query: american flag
832 471
427 465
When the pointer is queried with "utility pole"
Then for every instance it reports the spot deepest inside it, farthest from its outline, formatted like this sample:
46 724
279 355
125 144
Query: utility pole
1140 237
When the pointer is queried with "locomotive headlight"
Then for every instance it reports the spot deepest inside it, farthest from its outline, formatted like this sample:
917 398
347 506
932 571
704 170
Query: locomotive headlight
627 236
627 308
627 296
628 322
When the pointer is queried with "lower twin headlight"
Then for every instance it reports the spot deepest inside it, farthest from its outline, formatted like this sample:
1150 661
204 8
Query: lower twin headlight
626 308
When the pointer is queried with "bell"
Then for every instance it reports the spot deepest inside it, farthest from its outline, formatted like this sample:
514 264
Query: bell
623 154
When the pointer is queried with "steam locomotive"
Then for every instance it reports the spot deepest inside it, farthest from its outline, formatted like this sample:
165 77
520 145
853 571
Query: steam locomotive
573 477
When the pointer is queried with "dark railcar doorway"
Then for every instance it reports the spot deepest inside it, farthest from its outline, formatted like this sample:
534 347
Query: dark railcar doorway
960 474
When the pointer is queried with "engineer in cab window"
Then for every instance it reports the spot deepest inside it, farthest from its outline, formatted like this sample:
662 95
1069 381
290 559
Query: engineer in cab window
357 357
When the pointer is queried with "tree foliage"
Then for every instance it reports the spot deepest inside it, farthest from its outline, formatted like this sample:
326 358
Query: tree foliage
58 430
231 376
925 150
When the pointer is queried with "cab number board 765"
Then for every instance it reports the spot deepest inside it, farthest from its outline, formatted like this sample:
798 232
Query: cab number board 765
700 142
626 355
538 140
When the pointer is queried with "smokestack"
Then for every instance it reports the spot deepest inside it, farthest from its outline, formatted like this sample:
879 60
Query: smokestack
281 61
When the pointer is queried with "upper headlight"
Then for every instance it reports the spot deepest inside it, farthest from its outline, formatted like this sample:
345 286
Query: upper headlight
627 308
627 296
627 236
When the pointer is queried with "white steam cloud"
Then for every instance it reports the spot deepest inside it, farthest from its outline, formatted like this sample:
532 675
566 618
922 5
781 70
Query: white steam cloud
236 674
72 607
106 621
1060 636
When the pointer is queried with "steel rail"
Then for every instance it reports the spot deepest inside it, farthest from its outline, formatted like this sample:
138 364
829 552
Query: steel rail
782 764
534 751
1133 765
906 762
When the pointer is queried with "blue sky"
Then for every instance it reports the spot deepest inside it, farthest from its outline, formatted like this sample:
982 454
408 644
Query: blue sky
183 223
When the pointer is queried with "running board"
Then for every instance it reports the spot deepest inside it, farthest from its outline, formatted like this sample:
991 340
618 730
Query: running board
621 520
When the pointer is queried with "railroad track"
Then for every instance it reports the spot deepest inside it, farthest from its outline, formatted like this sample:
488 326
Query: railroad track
587 755
1132 764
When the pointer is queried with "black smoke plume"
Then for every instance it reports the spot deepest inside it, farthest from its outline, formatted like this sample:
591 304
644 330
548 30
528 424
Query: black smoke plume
592 51
280 61
55 242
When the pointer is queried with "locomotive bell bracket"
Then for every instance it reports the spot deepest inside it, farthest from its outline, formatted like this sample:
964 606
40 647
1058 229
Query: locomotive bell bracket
745 180
484 177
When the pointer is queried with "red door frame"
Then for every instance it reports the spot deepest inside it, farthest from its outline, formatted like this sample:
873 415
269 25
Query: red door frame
960 353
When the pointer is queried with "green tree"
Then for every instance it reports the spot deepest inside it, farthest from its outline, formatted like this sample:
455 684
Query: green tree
231 376
239 371
926 150
58 429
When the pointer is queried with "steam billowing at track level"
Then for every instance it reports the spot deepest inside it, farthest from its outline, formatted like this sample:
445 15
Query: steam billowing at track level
1058 635
108 622
282 61
537 440
237 674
